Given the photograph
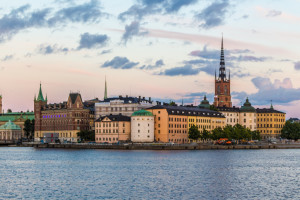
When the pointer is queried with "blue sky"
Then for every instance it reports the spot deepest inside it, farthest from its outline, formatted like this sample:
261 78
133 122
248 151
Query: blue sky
166 49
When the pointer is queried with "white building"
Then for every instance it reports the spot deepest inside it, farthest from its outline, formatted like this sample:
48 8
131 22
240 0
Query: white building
121 105
142 126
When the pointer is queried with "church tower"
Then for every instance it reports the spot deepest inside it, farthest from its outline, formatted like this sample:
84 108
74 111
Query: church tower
222 84
39 102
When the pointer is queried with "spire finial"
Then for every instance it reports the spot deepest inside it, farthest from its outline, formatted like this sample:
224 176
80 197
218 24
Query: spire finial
271 105
105 90
222 72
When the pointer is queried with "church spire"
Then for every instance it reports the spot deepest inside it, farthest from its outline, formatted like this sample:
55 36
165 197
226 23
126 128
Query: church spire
105 90
40 96
222 72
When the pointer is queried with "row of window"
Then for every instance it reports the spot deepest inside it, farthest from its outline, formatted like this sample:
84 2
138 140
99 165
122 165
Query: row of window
270 119
108 131
270 126
106 139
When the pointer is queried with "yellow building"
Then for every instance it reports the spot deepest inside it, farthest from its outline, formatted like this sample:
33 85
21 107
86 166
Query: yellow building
173 122
270 122
112 129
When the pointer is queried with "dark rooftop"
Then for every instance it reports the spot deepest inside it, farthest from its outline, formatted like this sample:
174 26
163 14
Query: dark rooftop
191 111
114 118
267 110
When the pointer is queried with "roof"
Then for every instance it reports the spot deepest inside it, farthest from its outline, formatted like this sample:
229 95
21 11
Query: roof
268 110
188 111
142 113
74 96
229 109
247 107
127 99
114 118
10 126
204 103
40 96
16 115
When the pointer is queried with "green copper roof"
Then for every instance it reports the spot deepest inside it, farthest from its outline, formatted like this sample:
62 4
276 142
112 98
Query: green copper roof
247 107
142 113
16 115
204 103
10 126
40 96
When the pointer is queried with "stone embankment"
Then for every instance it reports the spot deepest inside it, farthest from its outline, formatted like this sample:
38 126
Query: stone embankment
163 146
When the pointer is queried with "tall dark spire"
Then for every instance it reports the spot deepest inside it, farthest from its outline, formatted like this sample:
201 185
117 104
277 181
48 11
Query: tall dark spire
105 90
222 72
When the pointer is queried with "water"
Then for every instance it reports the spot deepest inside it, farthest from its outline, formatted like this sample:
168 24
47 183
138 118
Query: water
28 173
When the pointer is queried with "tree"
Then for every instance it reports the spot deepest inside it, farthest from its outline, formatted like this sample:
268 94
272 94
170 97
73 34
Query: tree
212 107
255 135
29 128
9 110
194 133
86 135
291 131
172 103
205 134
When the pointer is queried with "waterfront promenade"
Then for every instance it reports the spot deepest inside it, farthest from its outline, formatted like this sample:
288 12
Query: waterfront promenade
160 146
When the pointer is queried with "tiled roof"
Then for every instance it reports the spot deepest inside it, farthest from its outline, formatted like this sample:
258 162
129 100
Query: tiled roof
189 111
114 118
267 110
16 115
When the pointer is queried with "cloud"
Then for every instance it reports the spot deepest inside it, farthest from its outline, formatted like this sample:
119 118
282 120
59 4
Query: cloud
186 70
89 41
8 57
213 15
22 18
106 51
297 65
132 30
278 91
230 55
51 49
119 63
158 64
150 7
273 13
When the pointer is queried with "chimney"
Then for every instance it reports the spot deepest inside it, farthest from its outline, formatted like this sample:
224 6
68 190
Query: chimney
143 98
127 96
149 99
120 96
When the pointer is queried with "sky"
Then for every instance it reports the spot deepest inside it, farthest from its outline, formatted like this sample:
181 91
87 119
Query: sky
164 49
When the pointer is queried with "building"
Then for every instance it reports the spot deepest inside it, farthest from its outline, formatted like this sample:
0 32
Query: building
172 123
1 104
17 118
121 105
112 129
142 126
245 116
10 132
66 119
222 84
270 122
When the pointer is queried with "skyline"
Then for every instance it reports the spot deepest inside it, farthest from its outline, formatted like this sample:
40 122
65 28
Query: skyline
164 49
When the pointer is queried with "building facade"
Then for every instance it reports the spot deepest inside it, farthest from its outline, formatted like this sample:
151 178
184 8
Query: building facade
66 119
222 85
270 122
142 126
10 132
112 129
1 111
246 116
121 105
17 118
172 123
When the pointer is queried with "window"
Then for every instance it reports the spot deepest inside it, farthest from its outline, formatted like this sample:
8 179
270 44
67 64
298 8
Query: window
158 118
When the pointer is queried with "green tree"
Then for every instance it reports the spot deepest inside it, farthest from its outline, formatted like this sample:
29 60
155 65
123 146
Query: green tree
9 110
205 134
172 103
291 131
86 135
29 128
255 135
194 133
212 107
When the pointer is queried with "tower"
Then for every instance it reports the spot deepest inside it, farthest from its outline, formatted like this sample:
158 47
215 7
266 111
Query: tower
39 102
105 90
222 84
0 104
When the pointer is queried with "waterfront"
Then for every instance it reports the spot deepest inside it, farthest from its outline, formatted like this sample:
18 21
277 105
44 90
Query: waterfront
31 173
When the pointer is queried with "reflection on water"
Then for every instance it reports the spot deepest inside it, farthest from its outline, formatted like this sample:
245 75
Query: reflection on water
30 173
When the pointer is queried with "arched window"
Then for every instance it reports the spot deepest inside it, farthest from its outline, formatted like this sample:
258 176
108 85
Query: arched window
218 89
225 90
